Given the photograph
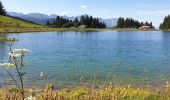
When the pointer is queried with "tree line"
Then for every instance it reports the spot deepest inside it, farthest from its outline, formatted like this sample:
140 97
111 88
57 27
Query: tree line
85 20
131 23
90 22
166 23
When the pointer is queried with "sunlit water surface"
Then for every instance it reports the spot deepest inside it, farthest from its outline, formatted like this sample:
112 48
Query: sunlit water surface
137 57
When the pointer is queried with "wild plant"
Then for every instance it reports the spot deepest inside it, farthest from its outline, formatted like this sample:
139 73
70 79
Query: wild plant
16 62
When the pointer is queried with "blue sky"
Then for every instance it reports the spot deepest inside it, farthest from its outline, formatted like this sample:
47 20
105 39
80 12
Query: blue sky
144 10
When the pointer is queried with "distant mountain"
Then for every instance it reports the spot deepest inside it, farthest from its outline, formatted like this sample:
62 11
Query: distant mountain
33 17
43 18
111 22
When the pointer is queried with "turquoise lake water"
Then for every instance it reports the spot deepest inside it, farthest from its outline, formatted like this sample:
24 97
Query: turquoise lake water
121 56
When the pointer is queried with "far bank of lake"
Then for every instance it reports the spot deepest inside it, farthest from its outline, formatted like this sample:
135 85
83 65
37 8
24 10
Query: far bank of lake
40 29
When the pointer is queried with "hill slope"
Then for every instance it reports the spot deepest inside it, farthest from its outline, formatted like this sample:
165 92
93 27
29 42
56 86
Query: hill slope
8 22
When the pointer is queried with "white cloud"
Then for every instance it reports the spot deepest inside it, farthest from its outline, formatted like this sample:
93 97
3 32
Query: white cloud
83 7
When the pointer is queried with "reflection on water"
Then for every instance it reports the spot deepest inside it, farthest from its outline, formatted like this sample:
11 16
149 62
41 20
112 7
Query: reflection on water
63 57
2 46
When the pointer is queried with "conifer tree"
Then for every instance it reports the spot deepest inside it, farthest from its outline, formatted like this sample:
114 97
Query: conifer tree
166 23
89 21
76 20
2 9
131 23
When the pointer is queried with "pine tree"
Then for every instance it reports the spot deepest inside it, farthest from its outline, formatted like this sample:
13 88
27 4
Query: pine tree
131 23
89 21
2 9
141 24
151 25
82 19
160 26
47 23
146 23
76 20
120 23
166 23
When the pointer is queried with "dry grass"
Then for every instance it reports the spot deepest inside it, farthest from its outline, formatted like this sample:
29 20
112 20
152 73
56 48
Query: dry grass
89 93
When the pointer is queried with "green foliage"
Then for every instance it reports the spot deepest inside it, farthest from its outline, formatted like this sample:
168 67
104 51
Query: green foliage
166 23
59 22
91 22
131 23
89 93
68 25
86 20
8 22
4 39
16 62
2 9
76 20
76 24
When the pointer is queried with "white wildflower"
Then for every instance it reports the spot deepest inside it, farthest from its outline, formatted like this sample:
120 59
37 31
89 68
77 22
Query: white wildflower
30 98
16 55
7 65
19 52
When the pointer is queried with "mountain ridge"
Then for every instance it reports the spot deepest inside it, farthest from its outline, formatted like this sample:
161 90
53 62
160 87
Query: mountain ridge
40 18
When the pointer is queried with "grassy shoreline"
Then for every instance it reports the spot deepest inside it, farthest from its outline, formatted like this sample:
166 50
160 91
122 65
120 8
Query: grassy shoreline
22 30
109 92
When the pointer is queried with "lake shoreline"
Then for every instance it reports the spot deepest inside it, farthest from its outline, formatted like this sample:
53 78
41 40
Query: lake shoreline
91 85
120 92
23 30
